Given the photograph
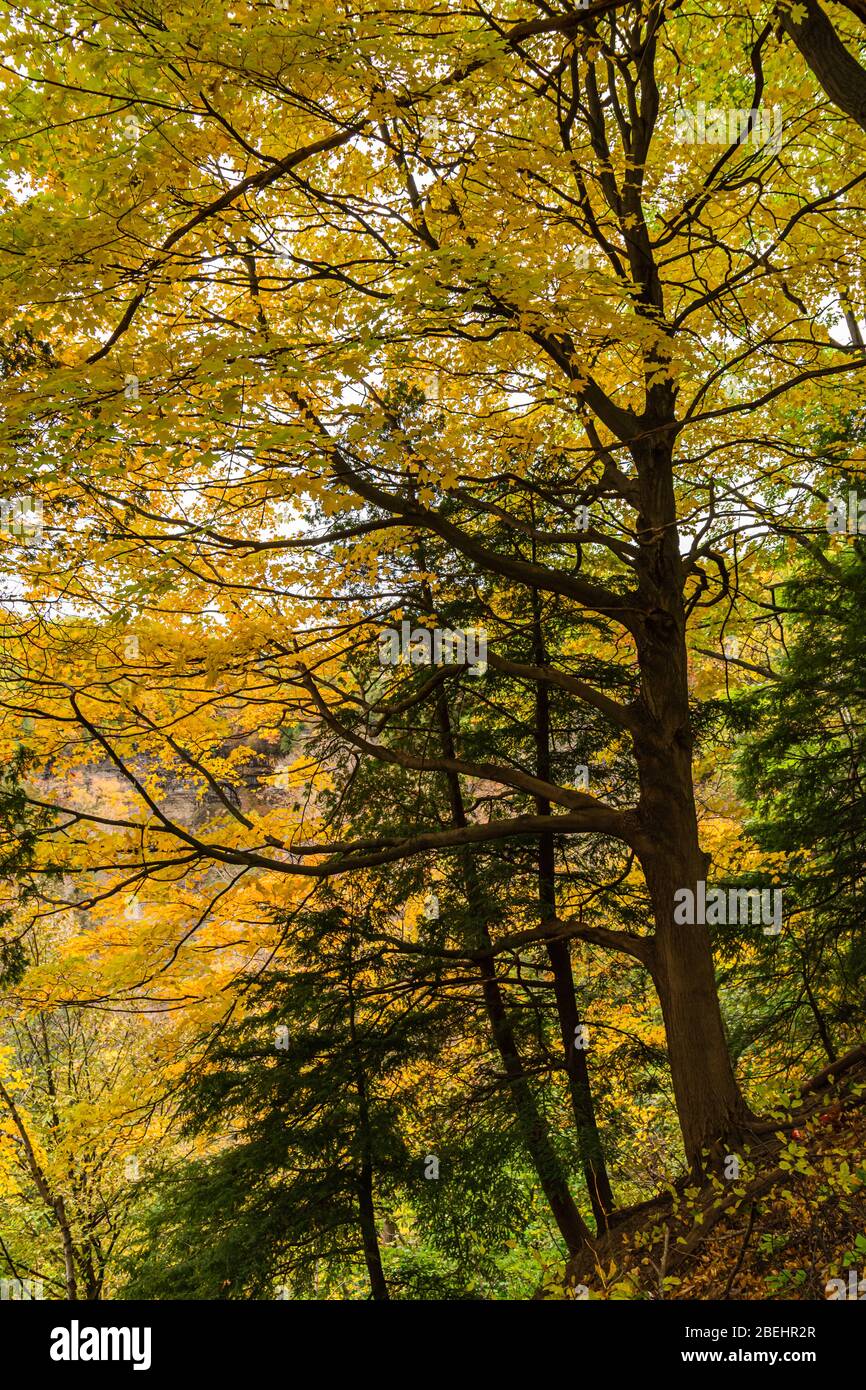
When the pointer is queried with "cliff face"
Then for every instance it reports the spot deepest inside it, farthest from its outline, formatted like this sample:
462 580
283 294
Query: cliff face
251 778
249 774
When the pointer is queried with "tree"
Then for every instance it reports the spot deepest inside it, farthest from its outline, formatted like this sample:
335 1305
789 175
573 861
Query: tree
802 774
311 220
73 1131
305 1090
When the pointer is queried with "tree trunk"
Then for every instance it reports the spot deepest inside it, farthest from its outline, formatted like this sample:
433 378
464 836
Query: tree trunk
709 1104
369 1234
558 953
580 1087
708 1100
835 67
533 1128
364 1182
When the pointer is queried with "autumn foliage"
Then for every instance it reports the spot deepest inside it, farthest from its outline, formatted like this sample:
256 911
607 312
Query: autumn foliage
319 324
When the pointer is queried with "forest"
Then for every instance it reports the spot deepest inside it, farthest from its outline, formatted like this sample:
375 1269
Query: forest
432 650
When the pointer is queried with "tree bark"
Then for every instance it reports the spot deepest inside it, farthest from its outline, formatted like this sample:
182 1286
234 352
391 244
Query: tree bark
369 1234
837 70
709 1103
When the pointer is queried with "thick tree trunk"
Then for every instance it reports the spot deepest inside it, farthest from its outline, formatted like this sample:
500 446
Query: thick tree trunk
709 1104
835 67
708 1100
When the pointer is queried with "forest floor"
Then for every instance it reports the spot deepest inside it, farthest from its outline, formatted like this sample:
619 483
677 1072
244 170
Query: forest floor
793 1220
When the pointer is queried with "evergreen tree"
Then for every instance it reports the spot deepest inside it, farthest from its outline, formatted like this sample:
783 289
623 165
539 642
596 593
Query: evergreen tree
803 771
301 1089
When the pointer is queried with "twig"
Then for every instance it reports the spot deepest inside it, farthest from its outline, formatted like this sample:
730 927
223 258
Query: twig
736 1269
